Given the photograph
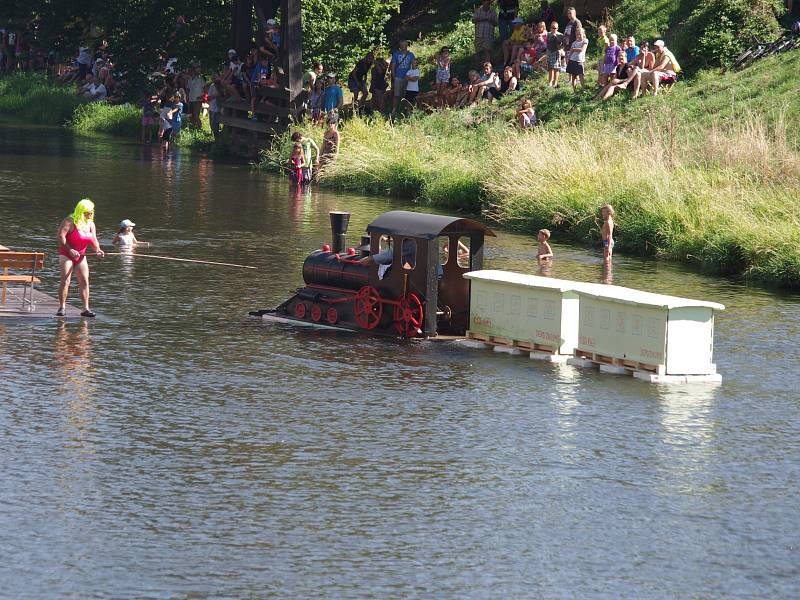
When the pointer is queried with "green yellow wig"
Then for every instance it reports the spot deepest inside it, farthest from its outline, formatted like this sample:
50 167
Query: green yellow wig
79 214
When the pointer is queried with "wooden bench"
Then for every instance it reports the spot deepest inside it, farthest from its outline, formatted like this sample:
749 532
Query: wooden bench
28 262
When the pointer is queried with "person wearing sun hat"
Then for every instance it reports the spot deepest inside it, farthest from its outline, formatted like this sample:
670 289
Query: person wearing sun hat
125 237
666 69
75 234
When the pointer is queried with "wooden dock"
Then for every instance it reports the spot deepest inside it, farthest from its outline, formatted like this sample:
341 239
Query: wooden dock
44 306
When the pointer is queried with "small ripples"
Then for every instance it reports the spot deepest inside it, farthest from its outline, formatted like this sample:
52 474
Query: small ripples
177 448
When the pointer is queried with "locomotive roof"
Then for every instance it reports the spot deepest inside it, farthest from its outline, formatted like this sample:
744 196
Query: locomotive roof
423 225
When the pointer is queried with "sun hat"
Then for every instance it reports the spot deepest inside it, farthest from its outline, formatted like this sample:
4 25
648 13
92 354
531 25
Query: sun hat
127 223
517 20
659 43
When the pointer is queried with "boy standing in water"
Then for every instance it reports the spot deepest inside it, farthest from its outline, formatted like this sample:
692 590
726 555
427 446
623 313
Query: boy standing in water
607 231
544 252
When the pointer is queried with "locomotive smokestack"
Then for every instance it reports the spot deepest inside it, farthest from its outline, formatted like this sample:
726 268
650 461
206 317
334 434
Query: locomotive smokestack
339 223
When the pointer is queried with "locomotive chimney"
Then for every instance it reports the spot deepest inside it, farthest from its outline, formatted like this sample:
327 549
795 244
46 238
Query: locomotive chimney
365 242
339 223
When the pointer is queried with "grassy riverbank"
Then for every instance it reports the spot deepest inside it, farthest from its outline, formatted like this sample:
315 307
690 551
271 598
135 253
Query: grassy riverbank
36 100
708 174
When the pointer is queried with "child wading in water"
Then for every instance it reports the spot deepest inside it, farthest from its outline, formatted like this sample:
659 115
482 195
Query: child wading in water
125 237
296 163
607 231
544 252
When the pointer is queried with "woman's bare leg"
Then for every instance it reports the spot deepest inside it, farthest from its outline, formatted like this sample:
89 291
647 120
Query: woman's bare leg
65 266
82 271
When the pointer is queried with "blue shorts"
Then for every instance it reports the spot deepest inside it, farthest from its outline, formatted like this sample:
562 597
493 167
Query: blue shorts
605 244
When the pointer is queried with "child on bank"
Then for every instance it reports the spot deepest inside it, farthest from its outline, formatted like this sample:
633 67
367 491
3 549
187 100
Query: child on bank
544 252
607 231
526 115
442 62
125 237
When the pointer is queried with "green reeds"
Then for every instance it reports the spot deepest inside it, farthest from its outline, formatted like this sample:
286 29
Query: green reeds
32 98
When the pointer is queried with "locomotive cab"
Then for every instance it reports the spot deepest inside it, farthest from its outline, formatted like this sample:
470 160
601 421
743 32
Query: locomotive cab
411 286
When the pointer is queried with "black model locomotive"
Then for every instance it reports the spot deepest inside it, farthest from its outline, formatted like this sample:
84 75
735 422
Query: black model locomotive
406 280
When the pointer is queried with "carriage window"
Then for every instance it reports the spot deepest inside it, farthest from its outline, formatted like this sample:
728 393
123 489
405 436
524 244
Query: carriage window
464 255
409 255
384 242
444 250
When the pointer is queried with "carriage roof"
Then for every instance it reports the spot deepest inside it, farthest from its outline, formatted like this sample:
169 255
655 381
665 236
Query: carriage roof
423 225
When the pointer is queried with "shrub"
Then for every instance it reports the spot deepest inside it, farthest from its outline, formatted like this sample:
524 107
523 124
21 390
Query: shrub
718 30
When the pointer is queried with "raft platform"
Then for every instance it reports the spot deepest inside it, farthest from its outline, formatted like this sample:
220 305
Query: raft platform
44 306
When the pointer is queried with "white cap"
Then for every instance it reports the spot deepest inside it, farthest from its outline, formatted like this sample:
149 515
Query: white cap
271 22
127 223
659 43
517 20
232 51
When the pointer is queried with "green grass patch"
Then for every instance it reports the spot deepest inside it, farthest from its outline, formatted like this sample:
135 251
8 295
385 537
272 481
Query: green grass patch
32 98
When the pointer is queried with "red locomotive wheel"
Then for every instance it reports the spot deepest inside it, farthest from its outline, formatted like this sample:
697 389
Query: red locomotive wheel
368 307
332 316
316 313
408 316
300 310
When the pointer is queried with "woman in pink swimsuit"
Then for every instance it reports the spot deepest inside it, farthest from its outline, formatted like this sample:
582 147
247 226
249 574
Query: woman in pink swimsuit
75 234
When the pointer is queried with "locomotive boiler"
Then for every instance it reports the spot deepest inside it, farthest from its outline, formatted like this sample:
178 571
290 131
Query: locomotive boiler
405 280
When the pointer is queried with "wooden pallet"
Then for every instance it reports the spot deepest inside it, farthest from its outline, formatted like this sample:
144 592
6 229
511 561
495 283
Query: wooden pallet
523 345
621 363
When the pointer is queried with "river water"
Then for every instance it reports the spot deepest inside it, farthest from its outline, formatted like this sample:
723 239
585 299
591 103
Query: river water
175 448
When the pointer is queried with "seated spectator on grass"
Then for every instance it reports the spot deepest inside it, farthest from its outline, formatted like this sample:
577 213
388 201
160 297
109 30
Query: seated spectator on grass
645 59
259 79
625 76
93 90
412 83
232 78
631 49
515 41
485 81
610 60
525 63
577 59
378 84
508 83
665 70
357 79
485 19
526 117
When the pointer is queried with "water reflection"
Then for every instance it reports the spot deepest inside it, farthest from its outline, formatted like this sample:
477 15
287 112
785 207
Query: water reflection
72 360
608 273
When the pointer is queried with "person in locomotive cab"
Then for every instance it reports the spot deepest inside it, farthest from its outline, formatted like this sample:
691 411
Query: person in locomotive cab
385 257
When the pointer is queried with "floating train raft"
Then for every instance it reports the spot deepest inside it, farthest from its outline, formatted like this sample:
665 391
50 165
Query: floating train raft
657 338
424 280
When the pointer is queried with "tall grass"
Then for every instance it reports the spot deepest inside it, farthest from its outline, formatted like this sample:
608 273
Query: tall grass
723 198
112 119
32 98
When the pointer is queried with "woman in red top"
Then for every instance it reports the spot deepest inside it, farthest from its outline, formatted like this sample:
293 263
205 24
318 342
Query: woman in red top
75 234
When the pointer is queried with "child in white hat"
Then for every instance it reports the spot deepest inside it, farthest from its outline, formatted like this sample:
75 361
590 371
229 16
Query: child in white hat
125 237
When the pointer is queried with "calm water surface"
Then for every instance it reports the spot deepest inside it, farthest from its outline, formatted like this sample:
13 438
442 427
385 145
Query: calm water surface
176 449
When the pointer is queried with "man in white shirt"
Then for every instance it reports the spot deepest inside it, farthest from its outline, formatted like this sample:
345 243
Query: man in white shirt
94 90
195 88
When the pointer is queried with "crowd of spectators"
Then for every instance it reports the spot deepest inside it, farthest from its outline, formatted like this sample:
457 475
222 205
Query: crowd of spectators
524 49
